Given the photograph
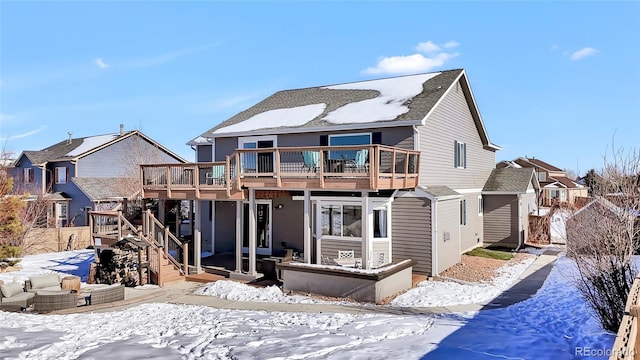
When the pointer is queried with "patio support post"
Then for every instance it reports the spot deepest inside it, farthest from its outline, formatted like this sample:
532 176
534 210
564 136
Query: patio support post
307 227
238 236
366 234
252 231
197 238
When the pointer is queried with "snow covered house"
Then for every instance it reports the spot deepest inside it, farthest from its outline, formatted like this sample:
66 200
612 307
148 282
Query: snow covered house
79 175
377 171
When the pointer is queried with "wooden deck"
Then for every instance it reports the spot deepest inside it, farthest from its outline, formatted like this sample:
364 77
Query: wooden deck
370 167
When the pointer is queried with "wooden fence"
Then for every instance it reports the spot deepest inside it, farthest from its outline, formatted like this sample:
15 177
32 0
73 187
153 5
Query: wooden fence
627 341
40 241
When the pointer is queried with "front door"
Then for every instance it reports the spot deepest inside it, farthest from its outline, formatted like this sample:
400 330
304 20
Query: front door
263 227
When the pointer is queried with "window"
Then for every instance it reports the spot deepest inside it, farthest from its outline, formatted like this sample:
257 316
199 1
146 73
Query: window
463 212
345 140
459 154
27 175
342 220
61 175
480 205
542 176
380 223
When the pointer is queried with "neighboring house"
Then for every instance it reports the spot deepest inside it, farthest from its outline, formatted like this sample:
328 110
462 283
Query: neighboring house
392 169
557 188
79 175
510 196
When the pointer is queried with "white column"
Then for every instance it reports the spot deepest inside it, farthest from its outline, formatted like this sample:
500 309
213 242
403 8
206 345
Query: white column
366 233
197 238
318 232
238 236
306 222
212 207
252 231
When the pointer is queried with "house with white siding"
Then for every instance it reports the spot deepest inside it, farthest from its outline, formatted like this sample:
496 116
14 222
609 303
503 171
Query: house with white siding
339 185
79 175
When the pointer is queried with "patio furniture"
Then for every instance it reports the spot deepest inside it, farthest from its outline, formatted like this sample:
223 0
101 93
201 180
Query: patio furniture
325 260
360 163
347 258
217 175
346 254
43 282
14 298
311 159
111 293
71 282
46 300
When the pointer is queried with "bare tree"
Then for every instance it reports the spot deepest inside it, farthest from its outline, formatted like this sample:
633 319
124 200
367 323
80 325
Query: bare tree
603 236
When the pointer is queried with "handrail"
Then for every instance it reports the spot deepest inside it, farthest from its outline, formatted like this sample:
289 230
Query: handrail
167 235
627 342
386 167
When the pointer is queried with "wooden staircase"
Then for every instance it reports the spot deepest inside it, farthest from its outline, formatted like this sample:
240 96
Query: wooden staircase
164 269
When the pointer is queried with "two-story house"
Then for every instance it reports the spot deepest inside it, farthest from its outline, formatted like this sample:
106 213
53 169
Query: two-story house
79 175
380 171
557 188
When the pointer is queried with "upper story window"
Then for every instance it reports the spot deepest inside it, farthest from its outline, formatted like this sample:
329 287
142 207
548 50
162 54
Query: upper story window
459 154
27 175
345 140
61 175
542 176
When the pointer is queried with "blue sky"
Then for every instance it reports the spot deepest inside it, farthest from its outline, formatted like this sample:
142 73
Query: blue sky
556 80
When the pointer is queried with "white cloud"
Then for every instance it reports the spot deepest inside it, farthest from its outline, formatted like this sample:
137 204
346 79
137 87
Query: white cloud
583 53
432 57
101 64
24 135
165 58
428 47
451 44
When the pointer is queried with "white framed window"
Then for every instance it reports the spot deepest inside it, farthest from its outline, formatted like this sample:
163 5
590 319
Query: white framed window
463 212
346 140
61 175
254 161
27 175
381 222
480 205
341 220
459 154
542 176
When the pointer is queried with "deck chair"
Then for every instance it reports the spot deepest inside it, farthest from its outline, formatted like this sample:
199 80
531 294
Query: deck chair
346 254
216 176
310 160
360 163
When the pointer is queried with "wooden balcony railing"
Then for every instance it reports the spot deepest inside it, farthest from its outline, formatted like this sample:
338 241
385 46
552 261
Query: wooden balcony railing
627 342
360 167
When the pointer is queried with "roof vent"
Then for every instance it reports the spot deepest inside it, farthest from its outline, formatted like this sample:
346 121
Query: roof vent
69 139
121 129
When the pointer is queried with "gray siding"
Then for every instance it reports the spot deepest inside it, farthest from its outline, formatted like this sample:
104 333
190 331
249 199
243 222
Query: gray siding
287 225
448 232
18 175
122 159
411 232
205 225
203 153
225 229
330 247
452 121
401 137
501 220
471 234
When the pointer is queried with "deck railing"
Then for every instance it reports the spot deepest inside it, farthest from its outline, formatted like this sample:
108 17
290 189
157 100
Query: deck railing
627 343
383 166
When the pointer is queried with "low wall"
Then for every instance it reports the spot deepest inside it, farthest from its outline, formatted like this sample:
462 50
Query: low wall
40 241
358 284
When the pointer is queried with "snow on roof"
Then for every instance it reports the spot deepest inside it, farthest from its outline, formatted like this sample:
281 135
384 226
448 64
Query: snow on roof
394 92
199 140
90 143
296 116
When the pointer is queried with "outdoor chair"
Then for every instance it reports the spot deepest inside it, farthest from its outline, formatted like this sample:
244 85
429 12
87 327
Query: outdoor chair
360 163
13 297
217 175
325 260
346 254
310 160
46 300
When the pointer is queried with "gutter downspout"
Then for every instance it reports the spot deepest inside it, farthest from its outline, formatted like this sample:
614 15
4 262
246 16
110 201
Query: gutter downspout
434 238
520 240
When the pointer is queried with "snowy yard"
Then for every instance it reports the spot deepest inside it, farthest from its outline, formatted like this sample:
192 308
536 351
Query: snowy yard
553 324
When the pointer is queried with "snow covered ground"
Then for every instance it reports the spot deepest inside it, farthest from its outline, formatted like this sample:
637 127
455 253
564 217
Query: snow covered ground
553 324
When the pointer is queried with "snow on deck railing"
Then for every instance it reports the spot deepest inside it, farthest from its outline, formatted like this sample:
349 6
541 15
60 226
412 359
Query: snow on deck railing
627 343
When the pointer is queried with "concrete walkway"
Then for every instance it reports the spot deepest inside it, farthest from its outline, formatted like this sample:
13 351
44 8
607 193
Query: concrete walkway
182 293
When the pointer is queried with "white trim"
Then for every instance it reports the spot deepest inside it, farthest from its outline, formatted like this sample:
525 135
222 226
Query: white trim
434 238
480 205
468 191
260 251
416 138
301 130
502 192
213 150
250 139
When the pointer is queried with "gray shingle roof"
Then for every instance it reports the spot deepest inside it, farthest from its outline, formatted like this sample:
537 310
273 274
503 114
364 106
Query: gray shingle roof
509 180
419 105
105 188
441 191
57 151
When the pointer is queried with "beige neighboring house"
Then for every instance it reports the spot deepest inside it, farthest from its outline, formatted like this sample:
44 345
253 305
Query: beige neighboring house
557 188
